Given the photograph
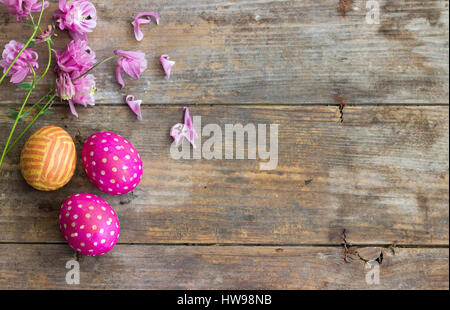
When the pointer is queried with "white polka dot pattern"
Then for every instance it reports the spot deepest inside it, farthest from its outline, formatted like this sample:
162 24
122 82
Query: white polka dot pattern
111 163
92 228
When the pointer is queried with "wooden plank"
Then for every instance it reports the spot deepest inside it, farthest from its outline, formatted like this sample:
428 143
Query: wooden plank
286 51
382 175
218 267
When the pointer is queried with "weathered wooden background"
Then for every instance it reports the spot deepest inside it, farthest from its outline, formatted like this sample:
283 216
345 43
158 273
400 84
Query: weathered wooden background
376 167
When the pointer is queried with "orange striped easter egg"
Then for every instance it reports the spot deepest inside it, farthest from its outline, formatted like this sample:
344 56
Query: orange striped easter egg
48 159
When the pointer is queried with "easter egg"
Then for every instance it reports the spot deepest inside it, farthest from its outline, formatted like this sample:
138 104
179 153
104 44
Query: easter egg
112 163
89 224
48 159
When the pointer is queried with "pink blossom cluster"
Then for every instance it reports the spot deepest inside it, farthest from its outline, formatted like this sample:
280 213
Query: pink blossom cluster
79 17
74 81
27 61
24 64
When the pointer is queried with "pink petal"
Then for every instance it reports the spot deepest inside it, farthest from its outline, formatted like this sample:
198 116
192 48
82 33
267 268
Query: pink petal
143 18
132 68
153 14
65 87
119 76
137 29
84 90
132 63
78 36
177 133
135 106
19 75
191 134
167 65
72 108
184 130
62 4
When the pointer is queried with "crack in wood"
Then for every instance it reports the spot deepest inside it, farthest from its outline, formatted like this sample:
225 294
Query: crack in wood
365 254
341 104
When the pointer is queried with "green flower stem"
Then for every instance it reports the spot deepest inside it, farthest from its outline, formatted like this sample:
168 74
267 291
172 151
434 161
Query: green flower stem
31 123
36 27
8 147
49 61
40 100
42 76
18 116
32 19
96 65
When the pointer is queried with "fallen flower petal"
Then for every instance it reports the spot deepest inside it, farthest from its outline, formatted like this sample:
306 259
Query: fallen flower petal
192 135
21 67
135 106
72 108
137 28
143 18
186 130
177 133
119 76
132 63
77 16
23 8
167 65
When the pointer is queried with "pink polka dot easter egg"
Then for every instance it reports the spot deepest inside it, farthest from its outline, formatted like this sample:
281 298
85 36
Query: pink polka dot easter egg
89 224
112 163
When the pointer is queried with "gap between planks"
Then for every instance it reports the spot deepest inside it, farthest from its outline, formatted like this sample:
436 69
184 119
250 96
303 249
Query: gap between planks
270 105
318 245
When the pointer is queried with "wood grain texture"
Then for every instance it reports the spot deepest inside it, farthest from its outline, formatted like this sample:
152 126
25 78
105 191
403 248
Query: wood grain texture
211 267
286 51
382 175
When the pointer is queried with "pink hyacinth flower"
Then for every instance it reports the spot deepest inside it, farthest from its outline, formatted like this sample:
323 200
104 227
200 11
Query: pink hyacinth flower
167 65
76 16
77 57
23 8
186 130
143 18
135 106
21 67
132 63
